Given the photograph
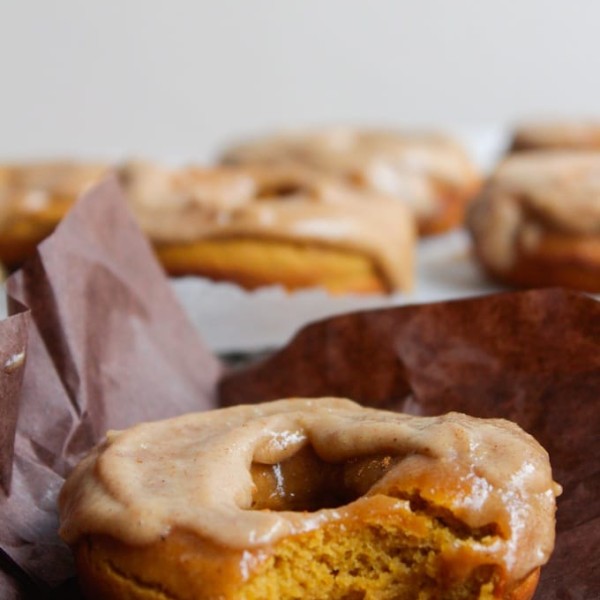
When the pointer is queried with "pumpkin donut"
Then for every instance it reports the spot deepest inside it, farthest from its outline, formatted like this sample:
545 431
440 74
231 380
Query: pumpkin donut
312 499
34 197
259 226
537 222
431 173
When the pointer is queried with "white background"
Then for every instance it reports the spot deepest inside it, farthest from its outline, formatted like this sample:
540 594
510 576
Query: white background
176 79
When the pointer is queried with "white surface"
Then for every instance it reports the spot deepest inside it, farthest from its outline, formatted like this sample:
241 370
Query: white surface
179 78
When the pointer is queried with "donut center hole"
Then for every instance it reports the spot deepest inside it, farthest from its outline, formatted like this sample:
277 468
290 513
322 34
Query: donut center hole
306 482
283 189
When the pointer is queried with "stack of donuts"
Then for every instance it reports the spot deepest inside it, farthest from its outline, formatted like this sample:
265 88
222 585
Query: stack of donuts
343 208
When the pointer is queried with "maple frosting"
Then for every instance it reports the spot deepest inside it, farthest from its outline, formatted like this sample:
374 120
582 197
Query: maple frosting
183 206
409 166
534 192
35 188
558 134
193 473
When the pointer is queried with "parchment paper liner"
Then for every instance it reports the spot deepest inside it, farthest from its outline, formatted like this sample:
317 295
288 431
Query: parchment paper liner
109 346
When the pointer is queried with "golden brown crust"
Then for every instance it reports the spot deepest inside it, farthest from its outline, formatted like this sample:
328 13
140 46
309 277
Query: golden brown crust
180 566
526 588
13 253
254 263
557 261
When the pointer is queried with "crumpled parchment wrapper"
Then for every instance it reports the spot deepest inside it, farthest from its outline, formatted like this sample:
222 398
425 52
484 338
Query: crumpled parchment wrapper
105 345
108 346
532 357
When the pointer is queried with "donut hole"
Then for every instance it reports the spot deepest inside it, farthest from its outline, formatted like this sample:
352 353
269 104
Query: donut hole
306 482
356 179
280 190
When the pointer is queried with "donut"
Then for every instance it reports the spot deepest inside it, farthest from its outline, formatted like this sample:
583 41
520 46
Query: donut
259 226
537 222
311 498
557 135
431 173
33 199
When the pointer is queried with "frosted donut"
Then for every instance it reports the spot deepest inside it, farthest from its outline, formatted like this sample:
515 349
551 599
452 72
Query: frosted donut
537 222
431 173
257 226
311 499
34 197
557 135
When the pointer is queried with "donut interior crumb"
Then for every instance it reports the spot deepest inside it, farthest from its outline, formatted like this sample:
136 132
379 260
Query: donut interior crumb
372 561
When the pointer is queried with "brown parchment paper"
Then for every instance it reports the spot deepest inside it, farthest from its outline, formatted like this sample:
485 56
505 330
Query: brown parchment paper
13 349
108 346
532 357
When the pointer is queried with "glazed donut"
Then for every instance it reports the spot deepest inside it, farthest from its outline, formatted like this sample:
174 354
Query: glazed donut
537 222
431 173
34 197
258 226
557 135
315 498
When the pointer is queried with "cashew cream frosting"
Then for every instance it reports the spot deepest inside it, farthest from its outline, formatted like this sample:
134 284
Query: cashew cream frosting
56 178
36 188
559 134
192 473
187 205
409 166
534 192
